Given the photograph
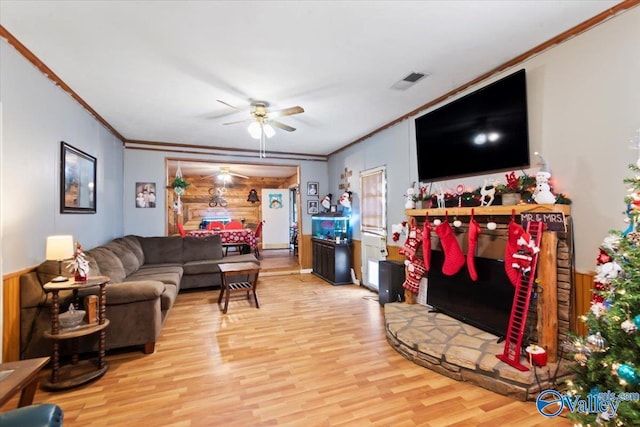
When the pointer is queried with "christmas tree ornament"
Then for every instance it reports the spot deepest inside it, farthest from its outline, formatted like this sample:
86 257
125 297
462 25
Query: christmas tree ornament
457 223
636 320
597 343
628 373
629 327
437 222
491 225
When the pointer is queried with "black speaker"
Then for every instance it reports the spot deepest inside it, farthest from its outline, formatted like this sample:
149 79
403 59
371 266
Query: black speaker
390 280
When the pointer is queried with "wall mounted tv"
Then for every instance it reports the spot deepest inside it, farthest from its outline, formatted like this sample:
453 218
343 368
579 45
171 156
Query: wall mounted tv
483 132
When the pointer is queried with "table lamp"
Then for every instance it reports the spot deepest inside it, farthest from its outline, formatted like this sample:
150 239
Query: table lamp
58 249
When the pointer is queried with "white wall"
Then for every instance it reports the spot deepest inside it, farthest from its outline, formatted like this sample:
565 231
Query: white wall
149 166
584 108
37 115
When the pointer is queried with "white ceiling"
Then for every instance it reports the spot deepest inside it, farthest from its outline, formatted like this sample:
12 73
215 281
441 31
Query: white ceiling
154 69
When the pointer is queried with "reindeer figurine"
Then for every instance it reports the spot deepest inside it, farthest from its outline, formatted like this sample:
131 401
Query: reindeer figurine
488 191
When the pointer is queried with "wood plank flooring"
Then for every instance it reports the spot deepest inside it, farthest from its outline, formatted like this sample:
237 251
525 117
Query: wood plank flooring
312 355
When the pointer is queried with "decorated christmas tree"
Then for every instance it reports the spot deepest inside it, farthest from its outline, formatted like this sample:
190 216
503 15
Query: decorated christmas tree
608 359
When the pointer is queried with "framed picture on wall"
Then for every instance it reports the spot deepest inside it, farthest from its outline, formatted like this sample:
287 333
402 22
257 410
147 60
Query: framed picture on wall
77 180
312 207
312 188
145 194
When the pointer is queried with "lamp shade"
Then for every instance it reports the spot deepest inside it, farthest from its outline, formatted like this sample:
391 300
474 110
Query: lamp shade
59 248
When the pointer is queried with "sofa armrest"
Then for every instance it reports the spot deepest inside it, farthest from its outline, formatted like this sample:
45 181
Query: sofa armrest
41 415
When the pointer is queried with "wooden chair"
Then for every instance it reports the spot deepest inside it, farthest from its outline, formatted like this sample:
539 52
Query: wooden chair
215 225
181 230
233 225
258 234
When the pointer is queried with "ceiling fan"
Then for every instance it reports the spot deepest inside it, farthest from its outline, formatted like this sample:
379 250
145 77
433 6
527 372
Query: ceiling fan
262 121
224 174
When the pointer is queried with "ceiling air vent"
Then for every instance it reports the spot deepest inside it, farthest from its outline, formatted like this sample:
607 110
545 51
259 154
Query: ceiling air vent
409 80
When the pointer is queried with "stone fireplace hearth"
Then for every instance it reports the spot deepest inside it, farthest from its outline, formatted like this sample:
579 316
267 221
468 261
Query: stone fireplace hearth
462 352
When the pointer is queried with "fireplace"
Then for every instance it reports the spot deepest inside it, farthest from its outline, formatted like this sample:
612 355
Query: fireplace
453 342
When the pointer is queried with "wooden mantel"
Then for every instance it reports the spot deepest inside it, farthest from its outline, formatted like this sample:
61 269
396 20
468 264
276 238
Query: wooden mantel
499 210
547 305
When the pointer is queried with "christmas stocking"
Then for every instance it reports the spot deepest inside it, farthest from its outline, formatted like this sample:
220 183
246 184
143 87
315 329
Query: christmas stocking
415 271
474 231
515 231
414 239
426 244
453 256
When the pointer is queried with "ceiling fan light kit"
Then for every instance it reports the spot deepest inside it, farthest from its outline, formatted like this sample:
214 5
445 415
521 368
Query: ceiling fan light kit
261 124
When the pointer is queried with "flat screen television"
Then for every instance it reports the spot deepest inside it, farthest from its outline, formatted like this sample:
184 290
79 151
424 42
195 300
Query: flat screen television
485 303
483 132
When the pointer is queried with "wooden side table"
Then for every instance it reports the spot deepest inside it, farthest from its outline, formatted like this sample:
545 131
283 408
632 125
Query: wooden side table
77 373
20 376
251 269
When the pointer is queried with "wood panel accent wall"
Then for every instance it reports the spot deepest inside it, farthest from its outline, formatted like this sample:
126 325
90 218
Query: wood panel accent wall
11 315
583 284
195 201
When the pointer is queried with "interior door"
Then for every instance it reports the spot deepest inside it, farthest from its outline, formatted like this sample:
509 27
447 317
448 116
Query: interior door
275 214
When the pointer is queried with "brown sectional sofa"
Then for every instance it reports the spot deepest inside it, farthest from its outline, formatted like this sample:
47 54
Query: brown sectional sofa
146 275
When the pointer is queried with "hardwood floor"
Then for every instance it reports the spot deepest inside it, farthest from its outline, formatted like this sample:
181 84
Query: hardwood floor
312 355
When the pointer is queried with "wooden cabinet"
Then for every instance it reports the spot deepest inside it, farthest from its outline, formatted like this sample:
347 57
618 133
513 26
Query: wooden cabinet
76 373
332 261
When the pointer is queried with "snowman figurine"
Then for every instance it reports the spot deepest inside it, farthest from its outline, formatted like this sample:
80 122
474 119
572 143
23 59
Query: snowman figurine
543 194
410 204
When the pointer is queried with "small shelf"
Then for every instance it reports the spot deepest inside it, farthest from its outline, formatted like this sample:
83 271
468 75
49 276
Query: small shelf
75 375
489 210
79 331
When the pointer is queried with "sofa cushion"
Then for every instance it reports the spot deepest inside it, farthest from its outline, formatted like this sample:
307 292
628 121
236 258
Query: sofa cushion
168 276
109 264
160 250
202 266
50 269
199 248
134 243
127 257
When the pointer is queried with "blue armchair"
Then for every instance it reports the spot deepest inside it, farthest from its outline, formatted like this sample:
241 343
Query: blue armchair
41 415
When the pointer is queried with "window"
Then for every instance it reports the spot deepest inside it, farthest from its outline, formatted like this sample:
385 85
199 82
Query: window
373 199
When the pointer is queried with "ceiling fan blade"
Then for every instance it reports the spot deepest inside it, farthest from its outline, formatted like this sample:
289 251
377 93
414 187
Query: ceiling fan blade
281 125
229 105
287 111
238 175
239 121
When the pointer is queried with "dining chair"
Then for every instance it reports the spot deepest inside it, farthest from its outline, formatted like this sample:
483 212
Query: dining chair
233 225
258 233
215 225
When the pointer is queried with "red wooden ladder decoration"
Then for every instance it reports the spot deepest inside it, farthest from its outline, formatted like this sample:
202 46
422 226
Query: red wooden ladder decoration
520 307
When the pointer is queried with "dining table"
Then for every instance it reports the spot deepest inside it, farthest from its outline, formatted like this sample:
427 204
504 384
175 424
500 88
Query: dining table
243 236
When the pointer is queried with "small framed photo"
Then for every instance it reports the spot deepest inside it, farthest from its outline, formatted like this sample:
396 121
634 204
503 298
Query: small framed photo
333 208
312 207
145 194
313 189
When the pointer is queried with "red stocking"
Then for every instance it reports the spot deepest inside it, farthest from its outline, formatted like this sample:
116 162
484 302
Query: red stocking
474 231
415 271
453 256
515 231
426 244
